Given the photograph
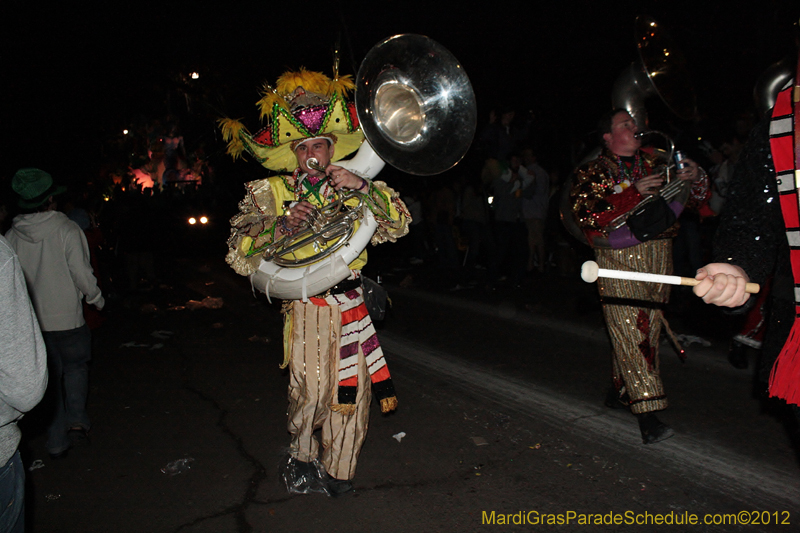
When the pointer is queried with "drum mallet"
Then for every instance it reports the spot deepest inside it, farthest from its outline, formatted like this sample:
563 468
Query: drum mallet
590 272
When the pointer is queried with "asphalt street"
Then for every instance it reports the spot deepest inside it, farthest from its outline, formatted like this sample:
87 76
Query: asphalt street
501 421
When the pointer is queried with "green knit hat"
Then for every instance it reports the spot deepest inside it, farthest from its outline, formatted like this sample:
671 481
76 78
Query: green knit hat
34 187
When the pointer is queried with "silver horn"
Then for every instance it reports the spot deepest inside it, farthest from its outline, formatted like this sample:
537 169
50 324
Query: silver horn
415 104
328 229
660 70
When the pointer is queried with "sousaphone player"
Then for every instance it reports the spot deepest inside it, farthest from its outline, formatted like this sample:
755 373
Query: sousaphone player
604 190
300 235
332 349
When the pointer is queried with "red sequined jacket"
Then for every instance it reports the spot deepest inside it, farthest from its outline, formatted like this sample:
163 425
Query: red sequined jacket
601 193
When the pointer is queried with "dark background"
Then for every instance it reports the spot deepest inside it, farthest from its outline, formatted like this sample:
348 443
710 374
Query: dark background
75 75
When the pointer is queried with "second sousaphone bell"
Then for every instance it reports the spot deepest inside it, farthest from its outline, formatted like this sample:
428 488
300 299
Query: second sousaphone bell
660 70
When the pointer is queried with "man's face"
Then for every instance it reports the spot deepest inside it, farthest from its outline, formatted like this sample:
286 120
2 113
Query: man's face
621 140
320 149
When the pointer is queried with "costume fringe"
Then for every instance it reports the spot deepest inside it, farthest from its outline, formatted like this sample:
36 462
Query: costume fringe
230 128
388 404
244 266
341 86
785 374
347 409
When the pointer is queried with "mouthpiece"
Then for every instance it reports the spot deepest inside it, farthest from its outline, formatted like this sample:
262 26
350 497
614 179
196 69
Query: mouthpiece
640 134
313 162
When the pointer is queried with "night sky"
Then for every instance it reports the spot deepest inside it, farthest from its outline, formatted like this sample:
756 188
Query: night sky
73 77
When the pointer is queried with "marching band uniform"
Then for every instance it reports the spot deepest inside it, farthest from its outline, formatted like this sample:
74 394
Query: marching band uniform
330 344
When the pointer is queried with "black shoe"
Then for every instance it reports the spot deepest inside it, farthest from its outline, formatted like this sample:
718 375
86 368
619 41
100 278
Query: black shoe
653 430
738 355
303 478
337 487
302 468
79 437
615 400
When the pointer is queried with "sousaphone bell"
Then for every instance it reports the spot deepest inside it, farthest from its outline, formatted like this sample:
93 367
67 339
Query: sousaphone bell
415 104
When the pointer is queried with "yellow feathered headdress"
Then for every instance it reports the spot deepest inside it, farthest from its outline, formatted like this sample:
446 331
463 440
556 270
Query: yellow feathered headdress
302 105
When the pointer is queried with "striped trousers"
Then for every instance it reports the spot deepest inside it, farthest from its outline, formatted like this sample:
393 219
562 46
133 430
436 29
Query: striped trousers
314 347
634 317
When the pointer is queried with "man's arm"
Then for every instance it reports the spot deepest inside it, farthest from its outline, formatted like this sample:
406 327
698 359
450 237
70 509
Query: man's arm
80 268
23 358
257 224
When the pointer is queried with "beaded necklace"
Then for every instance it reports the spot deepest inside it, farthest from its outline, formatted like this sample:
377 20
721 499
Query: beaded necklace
633 174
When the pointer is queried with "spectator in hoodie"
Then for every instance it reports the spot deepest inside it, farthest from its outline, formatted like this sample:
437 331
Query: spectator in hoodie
54 256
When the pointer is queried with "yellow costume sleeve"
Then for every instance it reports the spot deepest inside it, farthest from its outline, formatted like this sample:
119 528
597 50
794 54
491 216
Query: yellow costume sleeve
390 212
254 226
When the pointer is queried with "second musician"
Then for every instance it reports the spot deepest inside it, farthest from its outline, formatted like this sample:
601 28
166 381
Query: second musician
604 189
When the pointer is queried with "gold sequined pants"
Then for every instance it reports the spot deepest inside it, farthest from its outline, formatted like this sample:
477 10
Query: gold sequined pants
313 386
634 313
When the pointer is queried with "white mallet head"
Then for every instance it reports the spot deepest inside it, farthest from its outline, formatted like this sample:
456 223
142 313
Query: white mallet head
589 271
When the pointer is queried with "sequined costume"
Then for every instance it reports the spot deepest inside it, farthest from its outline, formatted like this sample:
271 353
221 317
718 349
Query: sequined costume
633 311
752 235
331 347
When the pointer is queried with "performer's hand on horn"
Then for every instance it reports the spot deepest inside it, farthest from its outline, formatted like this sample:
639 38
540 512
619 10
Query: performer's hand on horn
341 178
722 284
689 173
649 185
296 215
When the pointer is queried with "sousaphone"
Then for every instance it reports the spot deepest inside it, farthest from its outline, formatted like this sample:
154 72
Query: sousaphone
417 110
